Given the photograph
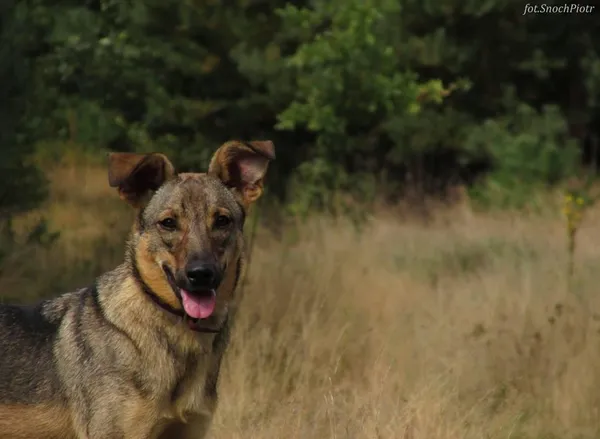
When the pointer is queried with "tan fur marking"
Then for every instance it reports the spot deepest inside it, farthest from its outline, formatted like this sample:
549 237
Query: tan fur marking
154 275
35 422
220 210
167 213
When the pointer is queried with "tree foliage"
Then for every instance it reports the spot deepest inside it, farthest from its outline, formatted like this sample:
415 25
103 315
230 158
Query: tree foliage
21 183
354 92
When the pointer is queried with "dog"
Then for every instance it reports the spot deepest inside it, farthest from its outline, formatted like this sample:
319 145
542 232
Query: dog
137 354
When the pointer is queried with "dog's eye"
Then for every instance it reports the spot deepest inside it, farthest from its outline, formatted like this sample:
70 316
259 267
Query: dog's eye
168 224
222 221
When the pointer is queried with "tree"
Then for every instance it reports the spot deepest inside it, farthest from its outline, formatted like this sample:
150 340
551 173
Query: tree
21 184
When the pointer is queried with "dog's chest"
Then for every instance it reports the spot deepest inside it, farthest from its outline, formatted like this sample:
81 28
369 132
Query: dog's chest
177 373
181 381
188 394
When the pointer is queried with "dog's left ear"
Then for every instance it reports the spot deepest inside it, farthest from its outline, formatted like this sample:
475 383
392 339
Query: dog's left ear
136 175
242 166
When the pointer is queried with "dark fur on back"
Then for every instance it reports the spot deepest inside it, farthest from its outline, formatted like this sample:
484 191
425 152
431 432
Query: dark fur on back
28 333
122 358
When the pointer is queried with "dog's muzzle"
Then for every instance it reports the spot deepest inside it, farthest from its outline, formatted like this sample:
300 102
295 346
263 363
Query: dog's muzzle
198 303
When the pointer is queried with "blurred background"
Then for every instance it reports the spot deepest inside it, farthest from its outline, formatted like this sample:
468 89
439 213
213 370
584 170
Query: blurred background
425 259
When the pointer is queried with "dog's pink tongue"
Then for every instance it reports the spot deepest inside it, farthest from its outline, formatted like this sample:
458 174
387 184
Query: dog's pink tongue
198 307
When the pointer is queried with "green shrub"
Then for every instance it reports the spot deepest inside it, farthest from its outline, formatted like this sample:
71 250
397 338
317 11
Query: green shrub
529 150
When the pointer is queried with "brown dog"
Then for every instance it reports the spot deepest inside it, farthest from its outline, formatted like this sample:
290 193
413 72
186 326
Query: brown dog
137 354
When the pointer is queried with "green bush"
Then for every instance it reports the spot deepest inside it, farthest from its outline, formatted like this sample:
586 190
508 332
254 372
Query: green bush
529 150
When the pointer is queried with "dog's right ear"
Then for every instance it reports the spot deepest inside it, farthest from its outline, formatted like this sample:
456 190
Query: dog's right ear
136 175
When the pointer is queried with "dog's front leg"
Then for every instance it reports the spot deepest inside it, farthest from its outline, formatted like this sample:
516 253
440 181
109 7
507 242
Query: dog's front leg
120 420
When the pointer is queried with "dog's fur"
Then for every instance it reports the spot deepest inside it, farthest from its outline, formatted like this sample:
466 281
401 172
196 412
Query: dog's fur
121 359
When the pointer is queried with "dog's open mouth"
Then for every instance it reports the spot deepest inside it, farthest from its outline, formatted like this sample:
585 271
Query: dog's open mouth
197 305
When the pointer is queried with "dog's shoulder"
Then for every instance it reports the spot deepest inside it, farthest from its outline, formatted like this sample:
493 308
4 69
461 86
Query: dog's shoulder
41 319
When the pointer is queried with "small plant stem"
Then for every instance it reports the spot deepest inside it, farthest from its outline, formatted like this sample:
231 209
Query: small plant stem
571 260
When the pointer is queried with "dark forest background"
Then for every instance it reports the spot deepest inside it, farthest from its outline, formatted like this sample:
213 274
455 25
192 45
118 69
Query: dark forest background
359 96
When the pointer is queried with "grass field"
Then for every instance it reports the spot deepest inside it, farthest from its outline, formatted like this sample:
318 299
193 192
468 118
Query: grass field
461 326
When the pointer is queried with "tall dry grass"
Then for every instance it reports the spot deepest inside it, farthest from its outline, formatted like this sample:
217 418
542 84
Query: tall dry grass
458 327
461 328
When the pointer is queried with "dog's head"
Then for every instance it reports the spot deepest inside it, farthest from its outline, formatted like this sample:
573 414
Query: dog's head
187 243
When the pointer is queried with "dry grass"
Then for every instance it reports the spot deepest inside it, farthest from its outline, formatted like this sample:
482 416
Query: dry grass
461 327
93 224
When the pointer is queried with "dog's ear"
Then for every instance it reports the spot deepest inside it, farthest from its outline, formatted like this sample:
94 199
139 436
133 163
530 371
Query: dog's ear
136 175
242 166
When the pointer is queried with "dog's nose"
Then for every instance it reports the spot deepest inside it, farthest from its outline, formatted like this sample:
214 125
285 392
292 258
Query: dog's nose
202 275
